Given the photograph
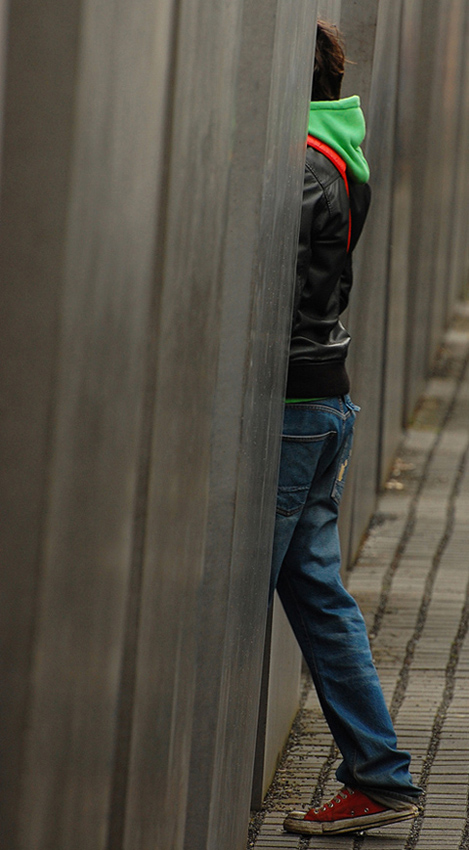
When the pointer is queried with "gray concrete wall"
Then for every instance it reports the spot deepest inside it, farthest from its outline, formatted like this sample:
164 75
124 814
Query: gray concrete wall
410 264
152 170
405 162
437 265
459 243
368 308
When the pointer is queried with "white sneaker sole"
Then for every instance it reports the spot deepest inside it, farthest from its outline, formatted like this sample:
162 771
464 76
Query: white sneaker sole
295 822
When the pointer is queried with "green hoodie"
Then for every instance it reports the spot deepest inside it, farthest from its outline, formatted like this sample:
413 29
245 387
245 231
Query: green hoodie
341 125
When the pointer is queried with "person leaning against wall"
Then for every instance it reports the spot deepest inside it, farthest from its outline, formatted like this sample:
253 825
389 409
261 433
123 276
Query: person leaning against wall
316 445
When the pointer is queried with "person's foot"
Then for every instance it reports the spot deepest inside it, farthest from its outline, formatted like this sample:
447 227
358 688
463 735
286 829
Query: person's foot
349 811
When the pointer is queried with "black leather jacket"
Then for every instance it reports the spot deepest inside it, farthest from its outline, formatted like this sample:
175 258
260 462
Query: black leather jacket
319 342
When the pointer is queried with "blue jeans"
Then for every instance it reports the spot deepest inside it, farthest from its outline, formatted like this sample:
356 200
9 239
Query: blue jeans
316 446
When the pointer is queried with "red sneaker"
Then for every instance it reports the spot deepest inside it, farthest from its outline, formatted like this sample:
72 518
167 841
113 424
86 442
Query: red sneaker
349 811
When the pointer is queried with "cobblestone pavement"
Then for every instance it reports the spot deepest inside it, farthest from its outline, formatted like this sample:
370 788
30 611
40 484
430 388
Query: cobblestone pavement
412 582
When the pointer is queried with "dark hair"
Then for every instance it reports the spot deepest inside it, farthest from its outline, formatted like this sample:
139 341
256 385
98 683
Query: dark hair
329 63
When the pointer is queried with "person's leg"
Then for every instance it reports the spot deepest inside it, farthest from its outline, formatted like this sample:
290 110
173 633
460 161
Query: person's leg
325 618
299 460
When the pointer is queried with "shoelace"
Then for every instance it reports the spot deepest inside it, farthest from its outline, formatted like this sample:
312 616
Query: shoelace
344 794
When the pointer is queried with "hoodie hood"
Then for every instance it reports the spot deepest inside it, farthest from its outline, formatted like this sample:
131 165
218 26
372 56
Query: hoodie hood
341 125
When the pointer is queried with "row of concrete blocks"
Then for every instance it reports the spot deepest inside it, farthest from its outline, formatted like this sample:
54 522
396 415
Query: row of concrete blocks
151 173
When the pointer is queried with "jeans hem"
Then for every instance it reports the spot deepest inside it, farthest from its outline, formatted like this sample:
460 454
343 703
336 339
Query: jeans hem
392 798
